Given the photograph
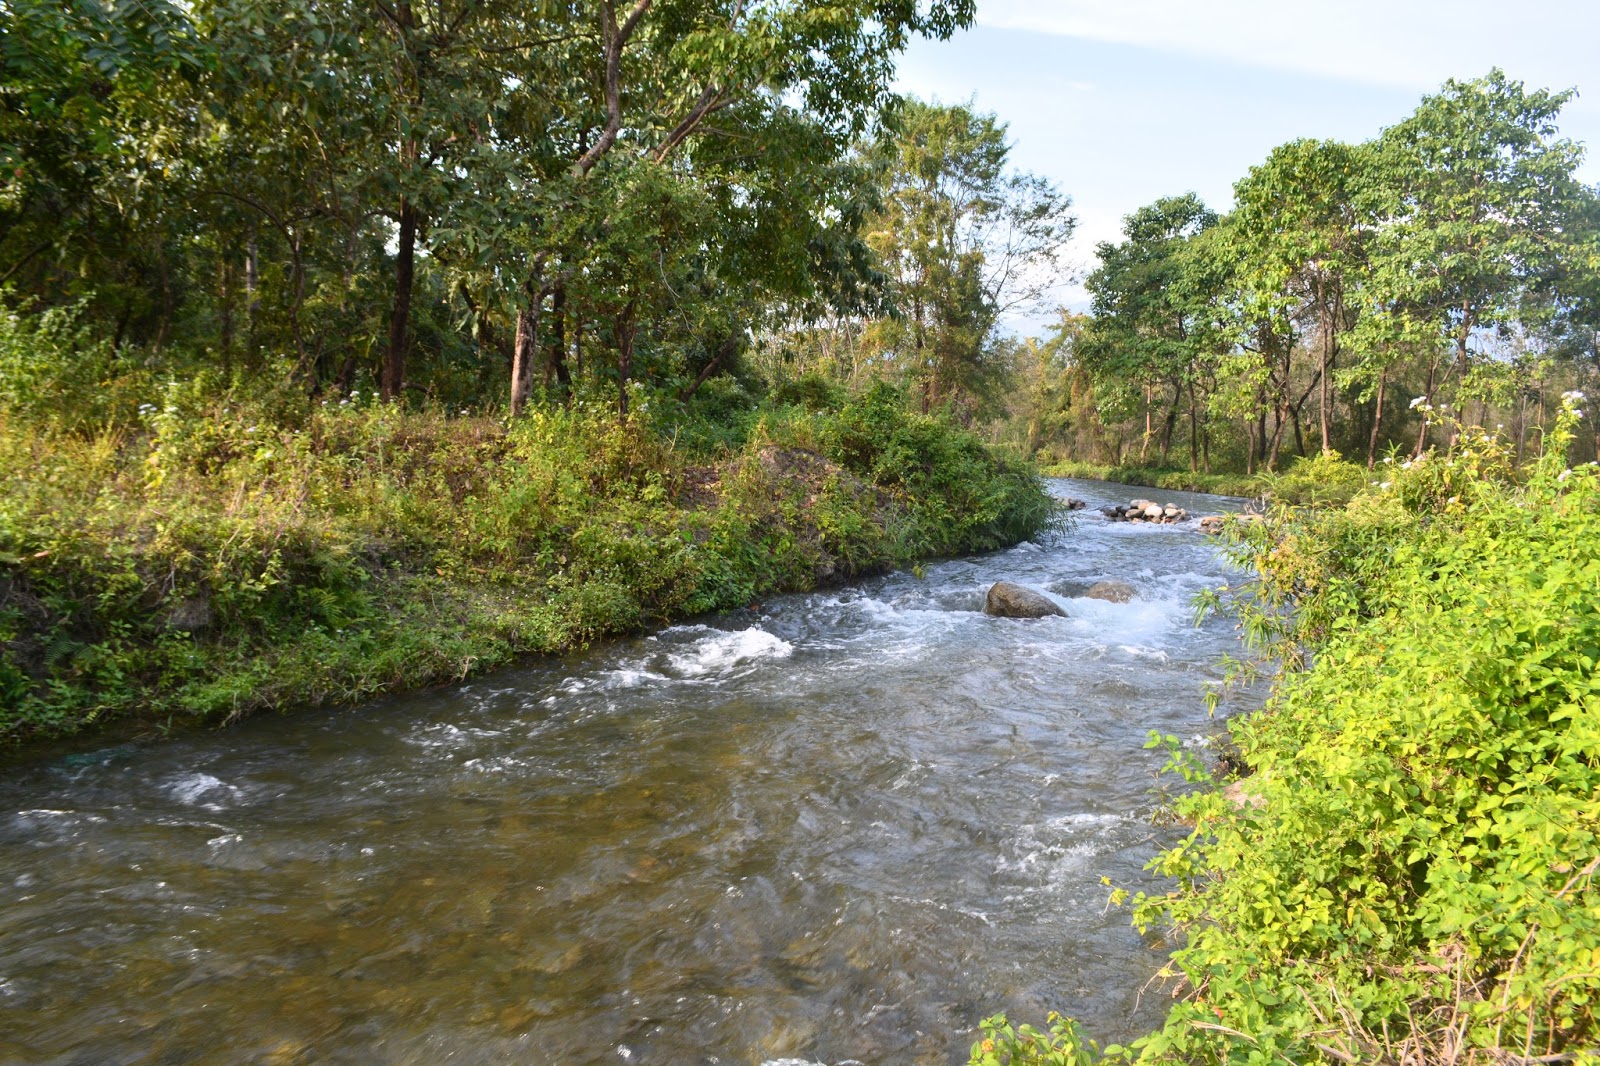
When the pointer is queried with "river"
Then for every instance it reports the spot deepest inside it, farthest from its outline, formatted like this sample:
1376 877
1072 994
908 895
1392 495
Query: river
842 826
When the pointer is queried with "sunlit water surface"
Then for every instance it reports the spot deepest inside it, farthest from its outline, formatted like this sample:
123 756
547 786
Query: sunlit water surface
844 826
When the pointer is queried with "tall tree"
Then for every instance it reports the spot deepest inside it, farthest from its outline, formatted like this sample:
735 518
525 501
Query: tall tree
1476 194
1151 315
964 240
1301 232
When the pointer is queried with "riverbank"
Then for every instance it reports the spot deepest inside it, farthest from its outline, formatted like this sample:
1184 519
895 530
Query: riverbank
205 554
1407 872
1173 480
1326 478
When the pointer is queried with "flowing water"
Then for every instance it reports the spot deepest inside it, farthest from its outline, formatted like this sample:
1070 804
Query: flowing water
842 826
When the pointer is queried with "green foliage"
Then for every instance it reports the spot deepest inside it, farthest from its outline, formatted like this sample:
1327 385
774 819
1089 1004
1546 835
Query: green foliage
200 550
1319 479
963 240
1158 478
1451 257
1064 1045
1408 872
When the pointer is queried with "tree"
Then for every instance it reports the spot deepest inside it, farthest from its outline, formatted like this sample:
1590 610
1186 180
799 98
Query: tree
1476 196
1301 235
963 239
1152 302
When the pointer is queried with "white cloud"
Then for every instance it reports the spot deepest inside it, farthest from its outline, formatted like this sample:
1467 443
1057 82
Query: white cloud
1399 43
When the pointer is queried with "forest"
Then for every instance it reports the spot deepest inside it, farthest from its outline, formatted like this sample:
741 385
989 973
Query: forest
484 206
1448 263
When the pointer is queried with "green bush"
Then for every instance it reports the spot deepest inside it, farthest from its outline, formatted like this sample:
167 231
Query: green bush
1315 479
1159 478
1409 875
202 549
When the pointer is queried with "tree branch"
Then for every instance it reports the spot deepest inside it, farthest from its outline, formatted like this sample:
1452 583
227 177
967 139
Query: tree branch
710 100
616 37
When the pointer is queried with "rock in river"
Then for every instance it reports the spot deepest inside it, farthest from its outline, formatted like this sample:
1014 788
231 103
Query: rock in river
1006 600
1112 591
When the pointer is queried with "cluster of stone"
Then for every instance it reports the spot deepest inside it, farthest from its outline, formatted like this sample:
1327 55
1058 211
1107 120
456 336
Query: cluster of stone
1145 511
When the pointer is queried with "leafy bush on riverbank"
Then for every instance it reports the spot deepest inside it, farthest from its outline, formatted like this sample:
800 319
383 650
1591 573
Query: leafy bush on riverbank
1410 874
1172 480
1312 479
181 547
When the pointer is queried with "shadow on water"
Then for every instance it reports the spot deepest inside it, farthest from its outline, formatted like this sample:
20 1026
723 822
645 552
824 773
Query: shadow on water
845 827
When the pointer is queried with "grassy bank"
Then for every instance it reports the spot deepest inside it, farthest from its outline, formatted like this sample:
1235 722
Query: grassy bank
1408 872
177 550
1173 480
1316 479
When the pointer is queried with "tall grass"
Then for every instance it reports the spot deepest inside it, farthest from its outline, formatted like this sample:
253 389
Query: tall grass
180 547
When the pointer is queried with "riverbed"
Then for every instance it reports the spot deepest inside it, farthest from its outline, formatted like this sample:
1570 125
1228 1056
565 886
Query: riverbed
837 826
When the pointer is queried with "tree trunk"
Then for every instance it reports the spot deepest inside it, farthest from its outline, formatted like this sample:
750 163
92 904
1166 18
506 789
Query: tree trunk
394 357
252 293
556 352
1377 420
1149 430
305 368
1194 432
1427 398
525 348
225 307
727 350
1325 401
625 331
920 343
1167 426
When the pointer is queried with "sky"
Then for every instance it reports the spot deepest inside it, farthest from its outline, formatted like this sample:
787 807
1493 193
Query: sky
1123 101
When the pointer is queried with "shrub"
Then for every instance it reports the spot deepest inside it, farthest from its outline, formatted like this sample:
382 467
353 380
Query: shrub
1414 878
222 548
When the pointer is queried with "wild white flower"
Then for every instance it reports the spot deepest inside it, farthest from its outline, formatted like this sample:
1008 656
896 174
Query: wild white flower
1453 499
1573 396
1386 486
1418 401
1564 475
1388 458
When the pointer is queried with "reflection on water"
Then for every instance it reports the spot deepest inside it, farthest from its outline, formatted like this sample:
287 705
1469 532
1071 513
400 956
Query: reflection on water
845 827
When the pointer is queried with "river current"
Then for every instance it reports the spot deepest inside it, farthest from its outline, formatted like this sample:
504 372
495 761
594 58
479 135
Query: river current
839 826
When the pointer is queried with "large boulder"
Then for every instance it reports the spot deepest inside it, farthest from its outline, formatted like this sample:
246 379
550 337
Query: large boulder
1006 600
1112 591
